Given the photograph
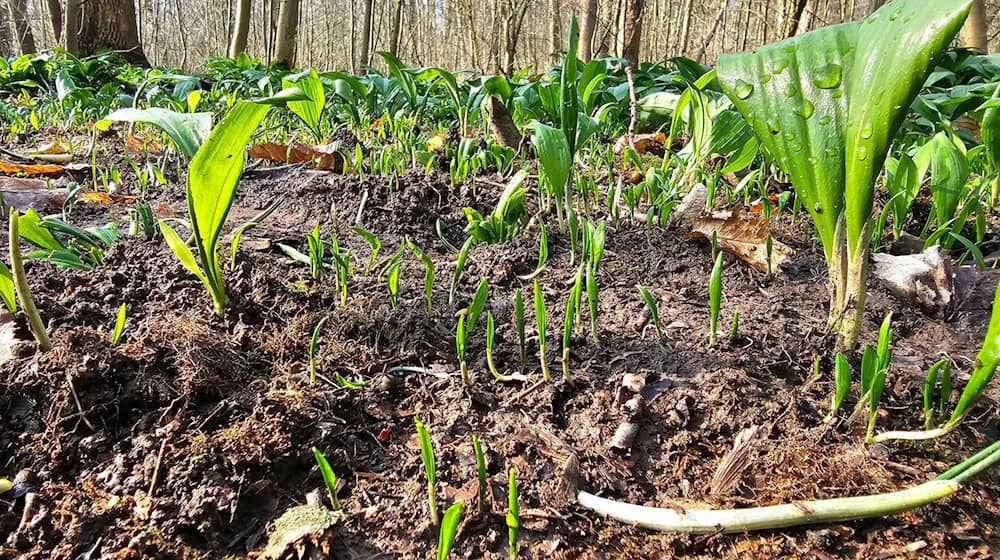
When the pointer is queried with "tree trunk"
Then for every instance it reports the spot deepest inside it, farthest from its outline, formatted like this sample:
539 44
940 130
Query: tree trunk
366 34
974 32
110 25
632 31
686 26
588 12
22 28
55 16
241 28
287 32
555 35
6 33
397 24
792 17
71 27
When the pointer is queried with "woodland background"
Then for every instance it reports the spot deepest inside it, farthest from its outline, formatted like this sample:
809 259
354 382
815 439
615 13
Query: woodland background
486 35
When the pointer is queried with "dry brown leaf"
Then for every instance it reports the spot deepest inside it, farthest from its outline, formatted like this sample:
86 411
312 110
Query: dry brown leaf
105 198
644 143
142 145
324 155
744 236
436 143
30 168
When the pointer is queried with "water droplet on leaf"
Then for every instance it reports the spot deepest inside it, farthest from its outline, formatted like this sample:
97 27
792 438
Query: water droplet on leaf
743 89
828 76
805 109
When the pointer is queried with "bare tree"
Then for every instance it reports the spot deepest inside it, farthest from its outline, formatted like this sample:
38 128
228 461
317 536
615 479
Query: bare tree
555 33
364 48
974 32
111 25
22 28
286 32
632 31
71 27
588 21
55 16
397 24
686 26
241 28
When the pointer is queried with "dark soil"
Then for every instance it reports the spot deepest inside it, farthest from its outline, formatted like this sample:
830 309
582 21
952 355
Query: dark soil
189 438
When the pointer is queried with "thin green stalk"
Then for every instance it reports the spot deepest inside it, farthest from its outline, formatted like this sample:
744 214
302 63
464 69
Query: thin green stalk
21 285
480 473
540 320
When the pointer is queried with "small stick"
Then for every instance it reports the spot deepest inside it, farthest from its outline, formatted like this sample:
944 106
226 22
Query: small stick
156 469
632 104
361 208
531 389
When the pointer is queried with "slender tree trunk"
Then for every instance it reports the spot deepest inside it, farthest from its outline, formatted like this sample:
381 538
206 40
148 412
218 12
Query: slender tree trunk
71 27
55 16
110 24
397 25
974 33
287 32
588 21
366 34
22 28
685 26
6 33
632 31
554 32
241 28
700 53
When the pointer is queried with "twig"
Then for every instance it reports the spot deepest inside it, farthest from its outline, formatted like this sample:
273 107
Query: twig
156 469
361 208
76 400
529 390
632 104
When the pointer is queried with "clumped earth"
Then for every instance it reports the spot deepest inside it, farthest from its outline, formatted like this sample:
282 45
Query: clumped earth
192 436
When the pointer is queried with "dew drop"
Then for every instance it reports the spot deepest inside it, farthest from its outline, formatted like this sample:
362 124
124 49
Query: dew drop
743 89
779 66
828 76
866 130
862 153
805 109
825 119
837 94
796 147
789 136
765 78
811 160
831 152
772 125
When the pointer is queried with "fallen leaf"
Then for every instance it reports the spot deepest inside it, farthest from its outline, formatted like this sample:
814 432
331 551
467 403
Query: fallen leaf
644 143
96 197
25 193
53 148
140 145
435 143
744 236
757 206
30 168
324 155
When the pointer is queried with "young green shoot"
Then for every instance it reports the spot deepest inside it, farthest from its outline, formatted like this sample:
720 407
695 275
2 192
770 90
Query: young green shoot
329 478
392 279
428 273
594 238
734 327
317 249
842 384
490 340
484 488
119 329
519 325
543 251
513 514
449 529
572 305
942 369
715 299
313 344
463 254
461 334
21 284
427 456
374 246
654 313
540 320
478 303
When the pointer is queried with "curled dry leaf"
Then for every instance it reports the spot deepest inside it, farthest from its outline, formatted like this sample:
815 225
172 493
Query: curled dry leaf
744 236
139 144
31 168
324 155
644 143
96 197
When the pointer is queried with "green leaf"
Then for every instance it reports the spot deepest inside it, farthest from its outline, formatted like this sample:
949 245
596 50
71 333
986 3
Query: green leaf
949 170
989 130
869 367
478 303
329 477
449 528
568 110
930 383
986 365
311 109
7 292
181 250
884 340
842 381
554 155
827 104
426 451
119 329
373 244
30 227
187 130
903 185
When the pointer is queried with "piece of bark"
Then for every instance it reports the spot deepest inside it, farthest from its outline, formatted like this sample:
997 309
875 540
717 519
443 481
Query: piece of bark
502 125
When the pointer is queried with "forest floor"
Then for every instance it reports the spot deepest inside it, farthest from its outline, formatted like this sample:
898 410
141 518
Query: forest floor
189 438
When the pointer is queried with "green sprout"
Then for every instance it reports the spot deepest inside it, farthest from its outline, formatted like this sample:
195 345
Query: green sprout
341 267
329 478
20 280
427 455
540 320
942 369
313 344
490 339
654 313
461 334
543 251
478 303
463 254
734 327
119 329
513 514
449 529
480 474
572 305
317 250
595 238
391 272
842 384
816 108
715 299
428 273
374 246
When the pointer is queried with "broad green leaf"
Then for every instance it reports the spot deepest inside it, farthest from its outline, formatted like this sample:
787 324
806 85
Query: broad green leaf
949 169
903 185
449 528
990 131
403 77
828 103
553 154
212 179
329 477
30 227
187 130
842 381
311 109
568 110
